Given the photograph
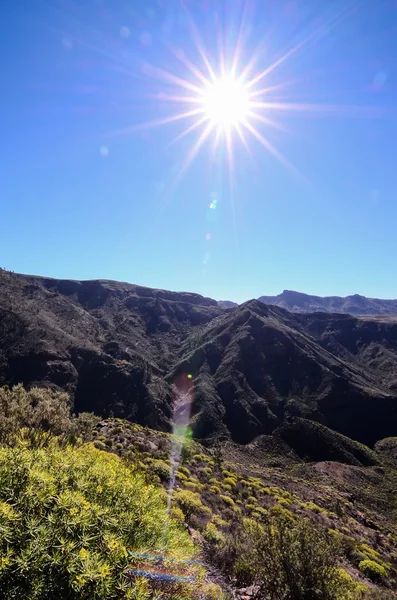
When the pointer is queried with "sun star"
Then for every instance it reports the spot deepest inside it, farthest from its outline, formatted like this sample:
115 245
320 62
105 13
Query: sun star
226 103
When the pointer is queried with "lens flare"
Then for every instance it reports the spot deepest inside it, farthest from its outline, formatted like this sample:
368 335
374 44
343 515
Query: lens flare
183 390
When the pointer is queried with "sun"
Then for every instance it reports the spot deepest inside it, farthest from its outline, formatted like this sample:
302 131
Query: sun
230 96
226 103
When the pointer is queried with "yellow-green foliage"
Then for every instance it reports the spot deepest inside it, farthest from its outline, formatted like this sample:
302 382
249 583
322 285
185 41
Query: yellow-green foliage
284 501
203 458
372 569
211 591
227 499
181 476
194 483
207 470
214 481
252 500
190 503
177 514
229 474
348 588
67 518
212 534
227 487
160 468
218 521
214 489
368 551
313 507
282 512
260 512
185 471
230 481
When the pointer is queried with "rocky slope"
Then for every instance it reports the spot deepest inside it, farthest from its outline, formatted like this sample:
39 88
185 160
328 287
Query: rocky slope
135 353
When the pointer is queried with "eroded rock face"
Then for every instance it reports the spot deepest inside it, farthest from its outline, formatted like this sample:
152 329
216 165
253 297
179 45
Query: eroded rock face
120 349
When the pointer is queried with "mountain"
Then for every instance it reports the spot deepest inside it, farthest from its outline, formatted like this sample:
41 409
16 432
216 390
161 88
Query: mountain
126 351
354 305
227 304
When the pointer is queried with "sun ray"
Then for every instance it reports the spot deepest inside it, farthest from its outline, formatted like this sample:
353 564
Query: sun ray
188 130
243 138
199 46
170 77
192 68
281 60
189 159
239 41
268 121
266 144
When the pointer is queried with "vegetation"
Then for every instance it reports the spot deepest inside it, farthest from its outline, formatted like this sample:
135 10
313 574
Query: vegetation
88 520
42 410
68 518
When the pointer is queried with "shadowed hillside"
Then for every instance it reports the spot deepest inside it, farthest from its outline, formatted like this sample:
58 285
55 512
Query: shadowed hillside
119 348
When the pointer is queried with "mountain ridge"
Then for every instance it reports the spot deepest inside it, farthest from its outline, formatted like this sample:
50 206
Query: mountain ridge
120 349
300 302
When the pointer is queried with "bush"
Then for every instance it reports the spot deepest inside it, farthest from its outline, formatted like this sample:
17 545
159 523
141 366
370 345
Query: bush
212 535
160 468
297 562
38 408
286 561
190 503
372 569
67 518
44 410
227 499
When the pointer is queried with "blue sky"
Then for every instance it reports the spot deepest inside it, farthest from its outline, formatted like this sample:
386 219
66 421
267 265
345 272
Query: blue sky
86 192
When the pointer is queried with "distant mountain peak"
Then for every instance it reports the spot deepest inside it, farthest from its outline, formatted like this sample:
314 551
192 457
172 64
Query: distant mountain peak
355 304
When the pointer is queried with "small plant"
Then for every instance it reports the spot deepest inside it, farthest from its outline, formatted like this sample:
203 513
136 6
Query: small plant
212 534
372 570
227 499
190 503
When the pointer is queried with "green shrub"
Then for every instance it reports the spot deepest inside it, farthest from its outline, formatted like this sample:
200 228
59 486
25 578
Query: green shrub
212 534
227 499
231 481
160 468
252 500
185 471
190 503
214 481
67 518
218 521
100 445
372 569
296 562
229 474
38 408
282 513
313 507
